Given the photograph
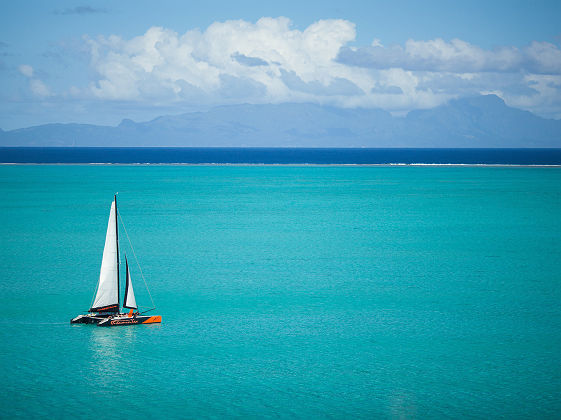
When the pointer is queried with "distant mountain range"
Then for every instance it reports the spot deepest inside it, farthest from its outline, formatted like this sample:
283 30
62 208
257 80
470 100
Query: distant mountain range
484 121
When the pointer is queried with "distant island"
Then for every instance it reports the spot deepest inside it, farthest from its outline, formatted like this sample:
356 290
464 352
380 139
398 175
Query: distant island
483 121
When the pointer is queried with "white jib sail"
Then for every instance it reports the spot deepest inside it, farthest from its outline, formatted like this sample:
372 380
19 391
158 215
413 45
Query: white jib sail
130 301
107 290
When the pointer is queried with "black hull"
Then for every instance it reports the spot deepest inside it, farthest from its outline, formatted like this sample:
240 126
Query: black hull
88 319
115 320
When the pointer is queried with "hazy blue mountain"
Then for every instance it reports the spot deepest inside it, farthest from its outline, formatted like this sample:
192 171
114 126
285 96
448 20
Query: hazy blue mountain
483 121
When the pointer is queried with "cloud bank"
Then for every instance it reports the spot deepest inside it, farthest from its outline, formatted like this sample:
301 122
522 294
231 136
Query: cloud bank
456 56
271 62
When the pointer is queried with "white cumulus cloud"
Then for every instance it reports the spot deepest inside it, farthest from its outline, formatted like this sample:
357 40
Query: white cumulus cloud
38 88
270 61
26 70
163 65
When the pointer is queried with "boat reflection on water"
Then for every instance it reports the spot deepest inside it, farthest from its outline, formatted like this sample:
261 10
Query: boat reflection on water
109 363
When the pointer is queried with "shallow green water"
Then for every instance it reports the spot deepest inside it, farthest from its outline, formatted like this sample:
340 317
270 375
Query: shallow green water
389 292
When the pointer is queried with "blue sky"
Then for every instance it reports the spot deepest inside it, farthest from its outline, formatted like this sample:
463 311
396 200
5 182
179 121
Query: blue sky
101 61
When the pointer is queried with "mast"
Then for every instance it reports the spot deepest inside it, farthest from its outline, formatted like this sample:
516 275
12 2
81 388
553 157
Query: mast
117 239
126 282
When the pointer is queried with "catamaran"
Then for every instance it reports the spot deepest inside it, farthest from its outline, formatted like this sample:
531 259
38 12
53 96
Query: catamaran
105 309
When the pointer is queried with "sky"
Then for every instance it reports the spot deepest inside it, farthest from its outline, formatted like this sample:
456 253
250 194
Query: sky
99 62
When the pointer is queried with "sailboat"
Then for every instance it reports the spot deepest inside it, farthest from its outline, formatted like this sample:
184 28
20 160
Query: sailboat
105 309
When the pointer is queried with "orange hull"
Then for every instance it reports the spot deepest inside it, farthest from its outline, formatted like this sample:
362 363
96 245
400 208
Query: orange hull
153 320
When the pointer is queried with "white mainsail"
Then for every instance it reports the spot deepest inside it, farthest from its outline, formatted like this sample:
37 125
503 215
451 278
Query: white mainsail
130 301
108 286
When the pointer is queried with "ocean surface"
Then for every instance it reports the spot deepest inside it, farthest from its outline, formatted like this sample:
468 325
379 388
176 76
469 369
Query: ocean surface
286 292
257 156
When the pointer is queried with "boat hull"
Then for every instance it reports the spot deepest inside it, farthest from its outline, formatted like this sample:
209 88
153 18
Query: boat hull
134 320
113 321
88 319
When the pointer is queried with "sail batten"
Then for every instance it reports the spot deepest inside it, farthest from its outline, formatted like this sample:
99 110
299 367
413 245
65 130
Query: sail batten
108 286
130 300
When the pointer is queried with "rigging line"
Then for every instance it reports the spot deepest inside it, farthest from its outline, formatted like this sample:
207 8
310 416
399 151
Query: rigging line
148 310
136 259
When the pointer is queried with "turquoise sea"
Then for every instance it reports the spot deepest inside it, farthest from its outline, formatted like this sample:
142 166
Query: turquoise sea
286 292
